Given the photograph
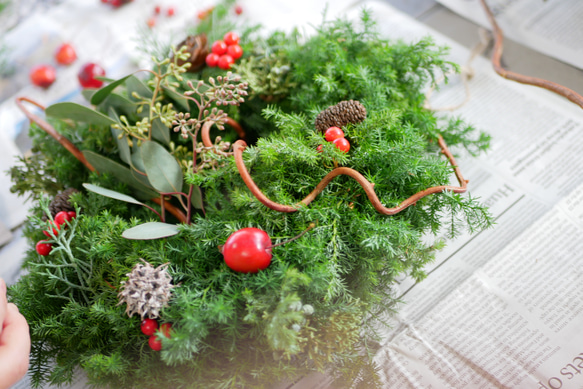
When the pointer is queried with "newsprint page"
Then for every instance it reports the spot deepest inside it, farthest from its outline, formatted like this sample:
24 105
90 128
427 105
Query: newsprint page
502 308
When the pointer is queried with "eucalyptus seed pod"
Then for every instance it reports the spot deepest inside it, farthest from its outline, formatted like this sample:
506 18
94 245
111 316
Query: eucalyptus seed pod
341 114
146 291
61 202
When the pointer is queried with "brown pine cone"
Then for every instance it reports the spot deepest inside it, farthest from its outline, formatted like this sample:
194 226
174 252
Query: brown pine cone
198 50
61 202
341 114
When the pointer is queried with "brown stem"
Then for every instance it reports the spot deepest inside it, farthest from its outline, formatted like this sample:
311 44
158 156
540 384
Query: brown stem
75 151
240 145
236 126
521 78
205 134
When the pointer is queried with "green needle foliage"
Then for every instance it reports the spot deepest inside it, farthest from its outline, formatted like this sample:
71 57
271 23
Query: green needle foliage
315 306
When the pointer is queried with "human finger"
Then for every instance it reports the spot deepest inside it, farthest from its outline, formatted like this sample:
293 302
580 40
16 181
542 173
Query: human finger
14 347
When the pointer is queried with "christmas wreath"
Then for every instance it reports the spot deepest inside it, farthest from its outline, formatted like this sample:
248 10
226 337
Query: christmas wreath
238 222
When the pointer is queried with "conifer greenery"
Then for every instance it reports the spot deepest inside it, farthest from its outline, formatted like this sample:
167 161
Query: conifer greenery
313 308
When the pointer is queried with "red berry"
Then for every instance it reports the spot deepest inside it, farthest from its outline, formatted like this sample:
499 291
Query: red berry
157 10
72 214
231 38
219 47
165 329
212 59
333 133
43 248
62 218
225 62
319 148
54 227
87 76
43 75
149 326
116 3
235 51
170 12
65 54
247 250
238 9
155 343
342 144
151 22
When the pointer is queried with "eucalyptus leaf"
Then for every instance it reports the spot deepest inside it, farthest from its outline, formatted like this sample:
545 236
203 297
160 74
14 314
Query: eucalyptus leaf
163 170
151 230
134 84
121 172
120 103
122 145
88 93
111 194
102 93
196 197
137 160
177 97
160 132
78 112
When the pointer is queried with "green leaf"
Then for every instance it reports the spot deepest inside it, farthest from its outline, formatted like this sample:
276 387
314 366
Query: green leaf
160 132
196 197
177 97
122 145
151 230
137 160
120 103
164 172
102 93
121 172
87 93
111 194
134 84
78 112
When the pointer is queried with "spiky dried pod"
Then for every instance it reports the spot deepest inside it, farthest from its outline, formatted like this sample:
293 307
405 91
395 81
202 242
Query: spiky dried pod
61 202
339 115
146 291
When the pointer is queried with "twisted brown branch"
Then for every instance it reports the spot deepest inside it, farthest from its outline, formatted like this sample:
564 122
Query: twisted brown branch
521 78
66 143
240 145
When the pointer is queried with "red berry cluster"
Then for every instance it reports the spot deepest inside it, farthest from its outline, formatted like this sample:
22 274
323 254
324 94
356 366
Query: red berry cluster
149 328
169 12
45 75
336 136
225 52
43 247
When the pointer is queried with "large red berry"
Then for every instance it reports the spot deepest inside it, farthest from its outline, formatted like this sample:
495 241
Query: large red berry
219 47
149 326
225 61
342 144
65 54
43 75
62 218
248 250
235 51
43 247
88 73
212 59
333 133
155 343
231 38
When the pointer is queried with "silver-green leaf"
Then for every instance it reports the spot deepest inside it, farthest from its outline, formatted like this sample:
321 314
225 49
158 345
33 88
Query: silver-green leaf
151 230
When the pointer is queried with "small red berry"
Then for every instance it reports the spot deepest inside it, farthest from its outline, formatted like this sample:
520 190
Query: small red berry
54 227
170 12
212 59
87 76
151 22
155 343
149 326
333 133
235 51
342 144
225 62
247 250
43 75
65 54
219 47
165 329
157 10
231 38
116 3
238 9
319 148
72 214
43 248
62 218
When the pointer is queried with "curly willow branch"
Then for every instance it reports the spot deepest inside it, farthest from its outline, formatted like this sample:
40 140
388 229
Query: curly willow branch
66 143
542 83
239 146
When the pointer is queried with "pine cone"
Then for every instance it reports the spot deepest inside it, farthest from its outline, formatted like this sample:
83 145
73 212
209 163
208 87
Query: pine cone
61 202
196 46
146 291
341 114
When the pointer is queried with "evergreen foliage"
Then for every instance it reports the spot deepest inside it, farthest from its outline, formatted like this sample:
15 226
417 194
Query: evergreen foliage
312 308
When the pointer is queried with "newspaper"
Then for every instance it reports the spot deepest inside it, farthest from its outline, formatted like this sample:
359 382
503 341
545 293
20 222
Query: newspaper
553 27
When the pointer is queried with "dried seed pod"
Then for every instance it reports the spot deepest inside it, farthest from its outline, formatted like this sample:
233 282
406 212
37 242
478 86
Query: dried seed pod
198 50
341 114
146 291
61 202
